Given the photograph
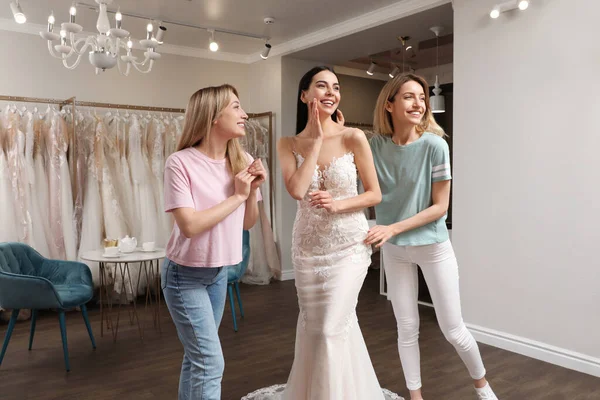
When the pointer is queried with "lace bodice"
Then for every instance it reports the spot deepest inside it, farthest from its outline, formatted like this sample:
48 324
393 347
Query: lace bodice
320 238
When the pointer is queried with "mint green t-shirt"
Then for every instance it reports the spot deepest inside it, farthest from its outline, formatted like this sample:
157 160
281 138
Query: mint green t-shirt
406 174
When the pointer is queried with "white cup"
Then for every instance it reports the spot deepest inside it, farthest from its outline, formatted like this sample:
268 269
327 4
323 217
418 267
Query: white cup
111 251
148 246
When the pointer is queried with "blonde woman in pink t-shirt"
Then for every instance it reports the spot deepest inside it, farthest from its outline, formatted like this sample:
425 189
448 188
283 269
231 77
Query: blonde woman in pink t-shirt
212 190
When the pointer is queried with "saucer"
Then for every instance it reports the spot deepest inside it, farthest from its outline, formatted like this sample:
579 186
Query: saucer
111 255
154 250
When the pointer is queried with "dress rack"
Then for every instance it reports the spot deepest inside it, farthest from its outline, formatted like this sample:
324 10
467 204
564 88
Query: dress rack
73 103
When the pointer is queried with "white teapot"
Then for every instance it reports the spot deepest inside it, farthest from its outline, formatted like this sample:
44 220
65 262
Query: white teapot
127 244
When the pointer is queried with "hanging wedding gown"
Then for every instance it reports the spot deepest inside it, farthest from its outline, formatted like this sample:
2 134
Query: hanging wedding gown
26 142
14 147
121 181
66 189
8 222
60 192
155 139
80 171
114 221
330 260
92 218
264 261
40 166
125 176
145 207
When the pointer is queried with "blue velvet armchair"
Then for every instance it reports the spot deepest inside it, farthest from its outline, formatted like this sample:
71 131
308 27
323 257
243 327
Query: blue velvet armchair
234 274
30 281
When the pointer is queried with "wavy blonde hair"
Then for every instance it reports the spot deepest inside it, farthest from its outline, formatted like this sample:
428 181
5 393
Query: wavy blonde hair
382 120
204 107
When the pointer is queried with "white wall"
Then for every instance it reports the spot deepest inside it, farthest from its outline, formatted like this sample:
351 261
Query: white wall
29 70
526 209
264 94
359 96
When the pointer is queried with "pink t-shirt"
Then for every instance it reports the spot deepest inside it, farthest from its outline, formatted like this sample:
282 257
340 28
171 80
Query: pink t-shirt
194 180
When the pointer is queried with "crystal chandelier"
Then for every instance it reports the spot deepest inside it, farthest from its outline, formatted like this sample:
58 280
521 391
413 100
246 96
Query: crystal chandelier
104 48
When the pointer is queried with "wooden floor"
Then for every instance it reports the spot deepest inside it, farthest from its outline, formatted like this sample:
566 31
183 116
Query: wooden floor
260 354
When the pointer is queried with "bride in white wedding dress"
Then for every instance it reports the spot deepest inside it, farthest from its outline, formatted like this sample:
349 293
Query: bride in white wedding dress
330 258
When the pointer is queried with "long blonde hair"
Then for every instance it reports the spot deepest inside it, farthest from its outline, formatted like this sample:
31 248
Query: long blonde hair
203 109
382 121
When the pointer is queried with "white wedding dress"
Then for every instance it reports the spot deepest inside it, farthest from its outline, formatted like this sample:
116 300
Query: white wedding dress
330 260
92 217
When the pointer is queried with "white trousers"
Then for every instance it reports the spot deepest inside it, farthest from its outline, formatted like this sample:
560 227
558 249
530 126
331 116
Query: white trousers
440 269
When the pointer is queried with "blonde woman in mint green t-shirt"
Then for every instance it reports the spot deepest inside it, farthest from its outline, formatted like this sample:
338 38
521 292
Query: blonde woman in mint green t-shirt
413 167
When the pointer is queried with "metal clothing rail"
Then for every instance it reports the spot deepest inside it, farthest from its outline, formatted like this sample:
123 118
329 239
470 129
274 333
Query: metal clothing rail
39 100
128 107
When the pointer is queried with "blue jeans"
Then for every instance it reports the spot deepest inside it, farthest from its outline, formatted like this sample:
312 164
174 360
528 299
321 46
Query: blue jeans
196 300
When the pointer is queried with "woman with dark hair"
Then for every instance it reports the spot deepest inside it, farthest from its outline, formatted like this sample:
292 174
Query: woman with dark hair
319 167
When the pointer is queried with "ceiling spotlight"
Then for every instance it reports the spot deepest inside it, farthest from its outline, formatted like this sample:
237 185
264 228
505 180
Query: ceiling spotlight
394 72
508 6
371 69
265 53
213 46
17 12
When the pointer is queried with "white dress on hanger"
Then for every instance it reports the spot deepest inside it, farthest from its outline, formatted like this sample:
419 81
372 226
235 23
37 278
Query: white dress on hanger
264 261
114 154
142 188
114 223
156 148
26 142
8 222
40 166
66 190
125 178
92 220
134 159
14 147
330 260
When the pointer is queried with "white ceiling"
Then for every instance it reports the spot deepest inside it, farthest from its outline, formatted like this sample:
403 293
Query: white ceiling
294 18
382 44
